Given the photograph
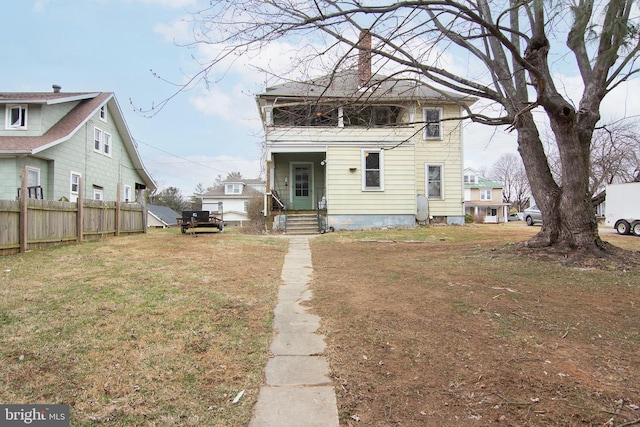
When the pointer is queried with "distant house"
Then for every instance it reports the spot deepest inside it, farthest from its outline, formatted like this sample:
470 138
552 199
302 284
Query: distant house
362 147
483 197
233 196
61 137
161 216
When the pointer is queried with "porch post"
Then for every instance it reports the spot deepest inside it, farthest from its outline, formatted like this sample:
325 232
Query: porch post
268 200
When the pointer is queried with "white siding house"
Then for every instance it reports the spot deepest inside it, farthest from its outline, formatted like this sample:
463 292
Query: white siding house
231 199
364 147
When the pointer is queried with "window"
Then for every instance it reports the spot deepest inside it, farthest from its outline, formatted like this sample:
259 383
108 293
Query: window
16 117
97 139
106 146
435 188
470 179
233 189
246 206
127 194
102 142
372 167
103 113
485 194
98 194
368 116
75 187
432 123
33 176
305 115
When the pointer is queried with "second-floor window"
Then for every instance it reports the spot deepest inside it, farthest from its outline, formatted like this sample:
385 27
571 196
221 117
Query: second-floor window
102 142
485 194
16 117
432 123
106 146
97 139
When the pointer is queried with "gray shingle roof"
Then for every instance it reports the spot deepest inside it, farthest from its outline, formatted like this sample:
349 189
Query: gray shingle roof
346 85
165 214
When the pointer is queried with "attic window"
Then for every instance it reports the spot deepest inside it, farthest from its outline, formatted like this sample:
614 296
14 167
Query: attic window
103 113
470 179
16 117
233 189
432 118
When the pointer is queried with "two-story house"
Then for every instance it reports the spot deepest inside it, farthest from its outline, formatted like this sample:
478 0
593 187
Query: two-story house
483 198
59 138
234 197
364 147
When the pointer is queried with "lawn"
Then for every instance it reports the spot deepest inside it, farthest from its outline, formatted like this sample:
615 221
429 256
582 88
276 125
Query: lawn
155 329
442 326
452 326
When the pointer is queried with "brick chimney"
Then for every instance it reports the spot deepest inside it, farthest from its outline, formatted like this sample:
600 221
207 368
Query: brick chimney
57 88
364 58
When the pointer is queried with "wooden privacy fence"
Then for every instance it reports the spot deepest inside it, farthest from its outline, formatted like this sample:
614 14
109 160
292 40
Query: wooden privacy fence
27 224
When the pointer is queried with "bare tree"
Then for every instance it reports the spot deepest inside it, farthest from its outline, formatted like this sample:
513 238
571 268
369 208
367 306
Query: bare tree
615 155
508 44
509 170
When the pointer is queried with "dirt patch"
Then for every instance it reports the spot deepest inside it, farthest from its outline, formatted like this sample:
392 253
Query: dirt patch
447 329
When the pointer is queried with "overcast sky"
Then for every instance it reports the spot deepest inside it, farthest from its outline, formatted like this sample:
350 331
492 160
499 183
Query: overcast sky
135 47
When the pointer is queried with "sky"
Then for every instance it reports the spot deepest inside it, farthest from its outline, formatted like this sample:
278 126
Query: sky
138 49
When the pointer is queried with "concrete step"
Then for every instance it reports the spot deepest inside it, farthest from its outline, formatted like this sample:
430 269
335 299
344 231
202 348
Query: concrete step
302 224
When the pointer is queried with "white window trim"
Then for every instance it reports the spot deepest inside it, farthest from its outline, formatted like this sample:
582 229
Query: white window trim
127 194
426 181
233 187
74 194
98 194
363 162
7 117
440 124
103 113
37 172
97 131
483 194
106 144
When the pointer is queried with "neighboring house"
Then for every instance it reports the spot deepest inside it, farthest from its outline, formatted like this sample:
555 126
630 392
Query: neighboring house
364 147
61 137
234 197
161 216
483 197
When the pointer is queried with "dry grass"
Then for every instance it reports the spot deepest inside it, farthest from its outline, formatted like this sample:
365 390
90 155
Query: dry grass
457 329
156 329
451 326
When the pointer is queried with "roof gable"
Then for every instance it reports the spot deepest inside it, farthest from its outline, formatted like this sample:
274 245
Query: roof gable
65 128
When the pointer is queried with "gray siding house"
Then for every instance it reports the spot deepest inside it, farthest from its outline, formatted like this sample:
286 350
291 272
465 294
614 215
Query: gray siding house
61 137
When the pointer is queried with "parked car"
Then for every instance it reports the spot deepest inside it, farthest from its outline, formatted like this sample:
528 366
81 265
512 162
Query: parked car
532 215
515 216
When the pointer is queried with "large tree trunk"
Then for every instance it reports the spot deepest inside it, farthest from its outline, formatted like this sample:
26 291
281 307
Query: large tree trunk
567 215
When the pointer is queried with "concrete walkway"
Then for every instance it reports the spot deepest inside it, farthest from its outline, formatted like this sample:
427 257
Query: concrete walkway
298 390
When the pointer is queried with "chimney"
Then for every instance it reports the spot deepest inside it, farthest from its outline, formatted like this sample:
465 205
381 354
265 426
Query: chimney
364 58
57 88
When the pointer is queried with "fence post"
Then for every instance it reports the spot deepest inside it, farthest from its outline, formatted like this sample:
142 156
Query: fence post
80 211
24 200
117 218
144 211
